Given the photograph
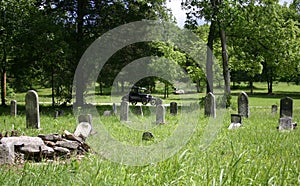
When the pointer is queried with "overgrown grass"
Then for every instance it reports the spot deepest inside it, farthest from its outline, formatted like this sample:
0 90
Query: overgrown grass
255 154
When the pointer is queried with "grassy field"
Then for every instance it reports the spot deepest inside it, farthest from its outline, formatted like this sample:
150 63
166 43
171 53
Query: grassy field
255 154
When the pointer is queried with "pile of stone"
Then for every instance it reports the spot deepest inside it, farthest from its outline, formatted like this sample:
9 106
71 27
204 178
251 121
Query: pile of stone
15 149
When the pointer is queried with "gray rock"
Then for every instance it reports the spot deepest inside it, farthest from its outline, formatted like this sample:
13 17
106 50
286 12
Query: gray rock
50 137
68 135
7 155
62 150
68 144
27 145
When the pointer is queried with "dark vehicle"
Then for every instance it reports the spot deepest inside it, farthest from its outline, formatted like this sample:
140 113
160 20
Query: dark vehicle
139 94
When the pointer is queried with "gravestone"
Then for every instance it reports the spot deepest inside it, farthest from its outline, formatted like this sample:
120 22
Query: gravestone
138 110
83 130
243 105
173 108
32 110
210 105
274 109
160 114
286 107
124 111
236 121
13 108
114 108
85 118
285 123
107 113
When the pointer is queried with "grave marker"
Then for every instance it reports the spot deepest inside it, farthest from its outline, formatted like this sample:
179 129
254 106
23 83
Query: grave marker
32 110
286 107
243 105
138 110
173 108
210 105
160 114
13 108
124 111
274 109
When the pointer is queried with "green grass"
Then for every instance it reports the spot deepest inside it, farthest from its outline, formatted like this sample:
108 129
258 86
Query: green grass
255 154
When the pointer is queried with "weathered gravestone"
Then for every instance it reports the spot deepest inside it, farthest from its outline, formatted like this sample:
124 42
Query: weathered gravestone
236 121
286 107
160 114
285 123
85 118
114 108
243 105
210 105
124 109
274 109
32 110
13 108
173 108
83 130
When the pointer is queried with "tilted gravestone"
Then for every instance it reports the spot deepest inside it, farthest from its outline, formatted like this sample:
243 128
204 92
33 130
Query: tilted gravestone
160 114
13 108
243 105
286 107
84 128
210 105
85 118
32 110
173 108
124 109
274 109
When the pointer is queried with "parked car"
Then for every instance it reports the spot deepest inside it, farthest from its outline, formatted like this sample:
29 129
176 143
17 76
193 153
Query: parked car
139 94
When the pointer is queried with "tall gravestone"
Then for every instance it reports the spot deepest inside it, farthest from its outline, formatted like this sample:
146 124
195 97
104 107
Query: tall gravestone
138 110
124 109
286 107
32 110
243 105
114 108
13 108
210 105
160 114
173 108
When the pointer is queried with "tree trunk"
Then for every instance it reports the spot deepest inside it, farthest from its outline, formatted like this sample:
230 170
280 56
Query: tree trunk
3 79
209 58
226 73
52 88
80 84
251 86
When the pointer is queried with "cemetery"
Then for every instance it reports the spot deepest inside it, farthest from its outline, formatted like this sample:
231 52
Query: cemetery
142 92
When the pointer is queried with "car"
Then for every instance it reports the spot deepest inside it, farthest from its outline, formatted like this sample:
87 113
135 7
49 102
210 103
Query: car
139 94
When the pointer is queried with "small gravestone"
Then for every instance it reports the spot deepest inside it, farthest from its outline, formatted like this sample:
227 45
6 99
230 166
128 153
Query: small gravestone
147 136
13 108
236 121
85 118
274 109
138 110
32 110
285 123
173 108
124 109
83 130
286 107
243 105
7 154
160 114
107 113
210 105
114 108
